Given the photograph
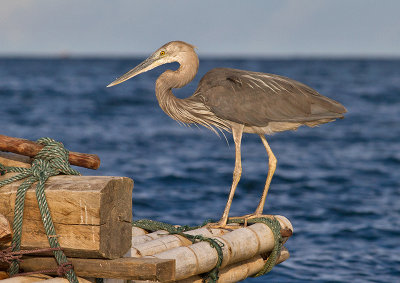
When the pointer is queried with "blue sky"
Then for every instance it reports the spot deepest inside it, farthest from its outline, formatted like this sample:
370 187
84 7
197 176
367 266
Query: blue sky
218 28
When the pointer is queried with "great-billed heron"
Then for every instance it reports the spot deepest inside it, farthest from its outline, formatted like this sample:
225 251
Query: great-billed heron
238 101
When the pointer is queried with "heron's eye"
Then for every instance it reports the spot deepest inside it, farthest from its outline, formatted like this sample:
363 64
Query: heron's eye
162 53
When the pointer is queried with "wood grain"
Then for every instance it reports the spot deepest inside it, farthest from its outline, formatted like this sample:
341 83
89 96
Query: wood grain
91 214
14 160
5 231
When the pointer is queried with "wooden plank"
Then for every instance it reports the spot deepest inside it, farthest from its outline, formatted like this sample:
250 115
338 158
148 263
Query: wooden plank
15 160
5 231
3 275
123 268
92 214
30 148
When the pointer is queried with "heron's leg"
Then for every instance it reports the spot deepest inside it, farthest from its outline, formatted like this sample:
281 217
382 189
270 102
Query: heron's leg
237 133
271 170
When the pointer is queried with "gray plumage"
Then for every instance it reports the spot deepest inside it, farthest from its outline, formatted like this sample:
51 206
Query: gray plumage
255 99
238 101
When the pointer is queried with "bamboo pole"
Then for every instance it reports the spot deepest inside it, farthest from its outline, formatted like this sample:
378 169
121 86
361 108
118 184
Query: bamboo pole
27 279
238 245
147 237
241 270
64 280
40 277
30 148
136 232
160 241
141 236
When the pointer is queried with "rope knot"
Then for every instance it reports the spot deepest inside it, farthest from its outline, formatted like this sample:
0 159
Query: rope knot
41 169
64 268
8 255
51 160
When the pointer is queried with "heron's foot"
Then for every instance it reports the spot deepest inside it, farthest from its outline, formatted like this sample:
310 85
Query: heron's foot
222 225
243 220
235 222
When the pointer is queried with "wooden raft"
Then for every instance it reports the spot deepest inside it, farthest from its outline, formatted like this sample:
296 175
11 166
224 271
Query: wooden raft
92 218
245 250
172 258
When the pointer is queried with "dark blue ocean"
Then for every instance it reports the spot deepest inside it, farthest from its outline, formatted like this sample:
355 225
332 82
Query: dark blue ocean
339 184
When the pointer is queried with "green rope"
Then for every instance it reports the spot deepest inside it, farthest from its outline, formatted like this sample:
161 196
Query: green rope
52 160
212 276
152 225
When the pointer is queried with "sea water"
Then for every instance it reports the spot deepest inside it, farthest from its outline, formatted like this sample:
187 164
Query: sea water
339 184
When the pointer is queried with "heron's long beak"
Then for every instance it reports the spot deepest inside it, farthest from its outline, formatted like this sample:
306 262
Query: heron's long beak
146 65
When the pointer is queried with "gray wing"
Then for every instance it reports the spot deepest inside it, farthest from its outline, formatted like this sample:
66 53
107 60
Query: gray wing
254 99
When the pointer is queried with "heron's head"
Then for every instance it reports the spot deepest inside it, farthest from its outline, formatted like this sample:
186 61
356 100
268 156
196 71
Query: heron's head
171 52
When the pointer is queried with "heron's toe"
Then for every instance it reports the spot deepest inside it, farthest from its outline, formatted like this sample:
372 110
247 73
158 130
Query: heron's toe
243 220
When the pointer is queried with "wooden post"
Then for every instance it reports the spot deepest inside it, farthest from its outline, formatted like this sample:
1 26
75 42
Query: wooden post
92 214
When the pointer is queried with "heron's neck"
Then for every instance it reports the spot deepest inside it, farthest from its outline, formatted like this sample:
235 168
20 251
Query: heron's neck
173 106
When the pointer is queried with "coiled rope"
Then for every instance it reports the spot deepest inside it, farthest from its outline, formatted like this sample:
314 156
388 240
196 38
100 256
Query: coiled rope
52 160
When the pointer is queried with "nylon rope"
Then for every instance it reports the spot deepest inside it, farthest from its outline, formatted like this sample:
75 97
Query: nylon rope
52 160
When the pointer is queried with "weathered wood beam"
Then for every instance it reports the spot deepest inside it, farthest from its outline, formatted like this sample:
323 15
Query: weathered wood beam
124 268
30 148
91 214
14 160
